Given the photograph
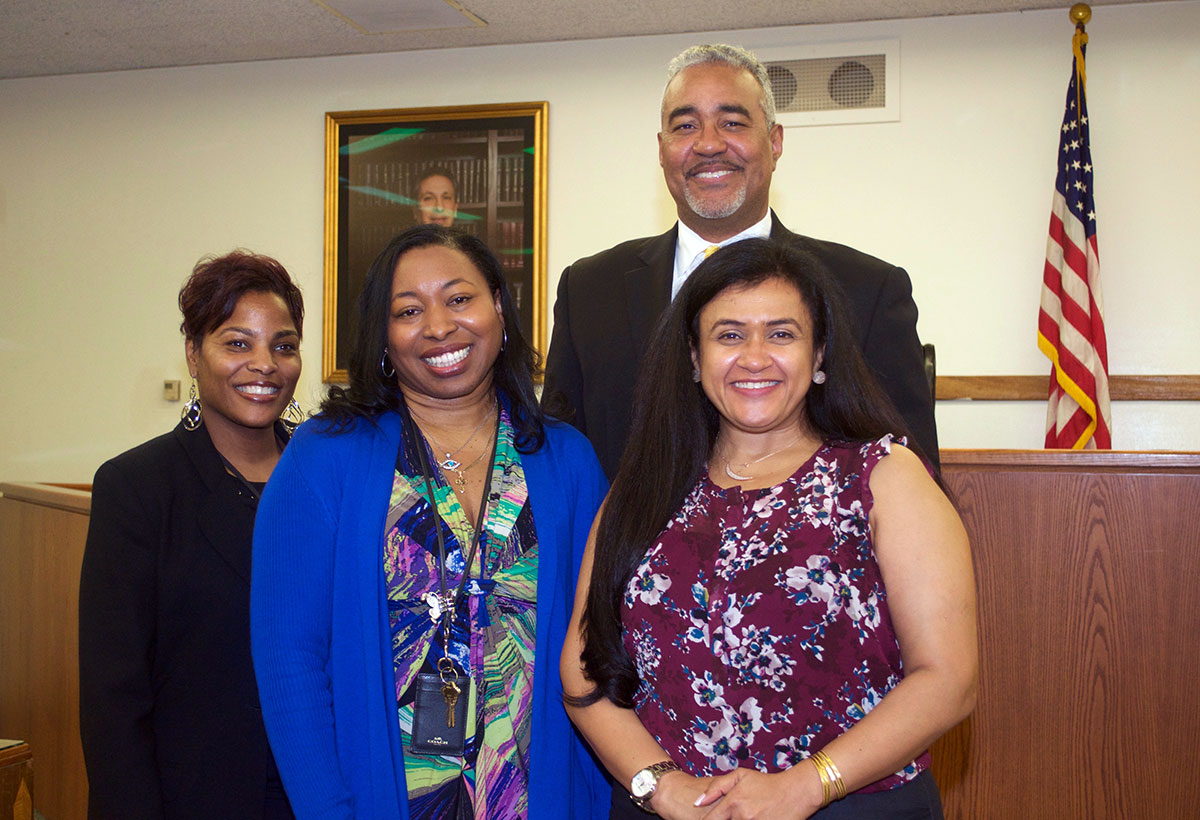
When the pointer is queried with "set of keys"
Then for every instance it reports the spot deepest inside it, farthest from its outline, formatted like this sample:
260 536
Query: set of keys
450 688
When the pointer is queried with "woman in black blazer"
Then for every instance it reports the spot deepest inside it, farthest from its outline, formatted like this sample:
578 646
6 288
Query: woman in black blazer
169 713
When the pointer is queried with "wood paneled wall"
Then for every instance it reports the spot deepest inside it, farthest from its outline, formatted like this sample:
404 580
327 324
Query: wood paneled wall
1088 570
42 532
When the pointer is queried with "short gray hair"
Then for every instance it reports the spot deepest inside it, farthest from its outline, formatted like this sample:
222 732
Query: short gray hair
734 57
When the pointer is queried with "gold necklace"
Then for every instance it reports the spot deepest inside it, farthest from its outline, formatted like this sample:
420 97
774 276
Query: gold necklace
744 464
460 471
448 463
454 466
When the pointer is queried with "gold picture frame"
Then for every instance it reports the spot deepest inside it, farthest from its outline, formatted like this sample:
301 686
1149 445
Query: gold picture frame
495 157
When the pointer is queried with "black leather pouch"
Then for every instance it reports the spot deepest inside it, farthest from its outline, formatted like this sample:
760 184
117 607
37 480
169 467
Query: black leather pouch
431 732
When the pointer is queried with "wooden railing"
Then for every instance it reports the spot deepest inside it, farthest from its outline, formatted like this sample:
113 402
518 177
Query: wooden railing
1035 388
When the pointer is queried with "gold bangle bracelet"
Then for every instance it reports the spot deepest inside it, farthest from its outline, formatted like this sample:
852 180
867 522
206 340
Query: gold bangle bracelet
829 772
835 776
821 773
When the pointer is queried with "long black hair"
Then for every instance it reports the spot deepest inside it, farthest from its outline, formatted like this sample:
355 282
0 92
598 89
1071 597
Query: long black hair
371 393
675 427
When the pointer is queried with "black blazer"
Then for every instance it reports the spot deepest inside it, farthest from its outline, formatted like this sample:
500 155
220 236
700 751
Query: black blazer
608 304
169 712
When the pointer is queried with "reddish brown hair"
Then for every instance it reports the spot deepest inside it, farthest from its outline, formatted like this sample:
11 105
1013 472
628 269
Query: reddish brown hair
211 293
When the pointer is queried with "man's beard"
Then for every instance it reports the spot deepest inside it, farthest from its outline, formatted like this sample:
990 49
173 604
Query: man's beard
708 209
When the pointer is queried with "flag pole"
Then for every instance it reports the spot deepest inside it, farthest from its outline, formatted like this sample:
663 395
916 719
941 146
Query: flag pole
1071 316
1080 14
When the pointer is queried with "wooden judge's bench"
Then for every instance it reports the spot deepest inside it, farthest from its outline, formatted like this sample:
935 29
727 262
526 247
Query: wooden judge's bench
1088 571
1088 568
42 530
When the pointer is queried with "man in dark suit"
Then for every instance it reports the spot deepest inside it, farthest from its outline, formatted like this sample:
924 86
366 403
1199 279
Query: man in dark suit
718 147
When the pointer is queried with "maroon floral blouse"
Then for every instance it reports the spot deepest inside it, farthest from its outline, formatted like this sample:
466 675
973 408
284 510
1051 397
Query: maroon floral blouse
759 623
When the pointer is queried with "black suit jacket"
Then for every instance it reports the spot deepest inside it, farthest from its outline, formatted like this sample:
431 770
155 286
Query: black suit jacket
169 712
608 304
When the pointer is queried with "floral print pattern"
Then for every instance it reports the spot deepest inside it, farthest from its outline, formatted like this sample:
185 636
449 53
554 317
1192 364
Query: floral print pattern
771 605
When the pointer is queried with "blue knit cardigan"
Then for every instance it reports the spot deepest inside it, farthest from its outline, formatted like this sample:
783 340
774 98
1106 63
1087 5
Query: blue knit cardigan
320 636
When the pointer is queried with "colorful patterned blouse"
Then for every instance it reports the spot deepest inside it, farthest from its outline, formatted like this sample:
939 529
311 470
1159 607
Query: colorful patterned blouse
491 780
771 605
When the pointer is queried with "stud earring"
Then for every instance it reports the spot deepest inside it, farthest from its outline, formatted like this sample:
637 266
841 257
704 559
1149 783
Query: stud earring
192 411
819 377
385 365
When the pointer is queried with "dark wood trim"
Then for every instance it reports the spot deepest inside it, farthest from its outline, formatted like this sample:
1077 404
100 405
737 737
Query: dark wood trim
1035 388
1072 461
16 751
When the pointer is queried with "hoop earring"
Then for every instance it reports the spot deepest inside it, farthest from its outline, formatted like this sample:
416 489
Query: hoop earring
292 414
385 364
192 413
819 377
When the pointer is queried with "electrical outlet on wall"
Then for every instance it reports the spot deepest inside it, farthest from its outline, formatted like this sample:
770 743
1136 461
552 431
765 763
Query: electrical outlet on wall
171 390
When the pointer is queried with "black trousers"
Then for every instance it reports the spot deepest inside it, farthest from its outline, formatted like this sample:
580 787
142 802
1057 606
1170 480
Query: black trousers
918 799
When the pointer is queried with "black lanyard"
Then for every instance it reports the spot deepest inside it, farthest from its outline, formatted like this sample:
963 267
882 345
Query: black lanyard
254 488
449 606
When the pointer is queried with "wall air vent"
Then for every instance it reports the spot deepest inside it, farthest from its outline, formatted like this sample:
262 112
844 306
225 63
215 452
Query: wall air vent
835 83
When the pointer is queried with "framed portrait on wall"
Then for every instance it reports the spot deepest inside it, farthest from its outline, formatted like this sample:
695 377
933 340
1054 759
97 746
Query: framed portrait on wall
479 169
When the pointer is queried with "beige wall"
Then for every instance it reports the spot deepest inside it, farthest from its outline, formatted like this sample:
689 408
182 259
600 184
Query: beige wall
112 185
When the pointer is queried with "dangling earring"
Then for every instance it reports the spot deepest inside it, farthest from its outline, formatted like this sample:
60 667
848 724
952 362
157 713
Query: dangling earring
385 364
819 377
503 338
192 411
292 415
696 375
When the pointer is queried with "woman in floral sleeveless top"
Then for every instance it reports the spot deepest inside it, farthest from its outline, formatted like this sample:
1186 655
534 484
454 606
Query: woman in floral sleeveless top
776 612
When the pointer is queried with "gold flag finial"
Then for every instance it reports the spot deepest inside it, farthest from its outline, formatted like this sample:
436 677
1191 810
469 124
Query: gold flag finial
1081 13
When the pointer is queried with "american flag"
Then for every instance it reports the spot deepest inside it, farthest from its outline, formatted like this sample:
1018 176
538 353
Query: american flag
1071 320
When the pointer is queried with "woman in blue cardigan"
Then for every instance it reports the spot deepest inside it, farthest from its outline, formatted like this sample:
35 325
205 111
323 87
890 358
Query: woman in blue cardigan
414 559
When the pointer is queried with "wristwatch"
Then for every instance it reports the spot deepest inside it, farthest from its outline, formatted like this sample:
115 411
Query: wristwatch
645 783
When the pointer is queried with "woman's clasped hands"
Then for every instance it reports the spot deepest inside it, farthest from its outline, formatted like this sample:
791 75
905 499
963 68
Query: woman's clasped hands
747 794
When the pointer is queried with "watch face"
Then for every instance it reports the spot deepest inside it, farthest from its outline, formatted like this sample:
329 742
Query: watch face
643 783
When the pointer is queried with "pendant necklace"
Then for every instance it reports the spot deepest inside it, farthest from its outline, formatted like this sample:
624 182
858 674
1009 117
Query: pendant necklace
744 464
448 463
460 471
456 467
